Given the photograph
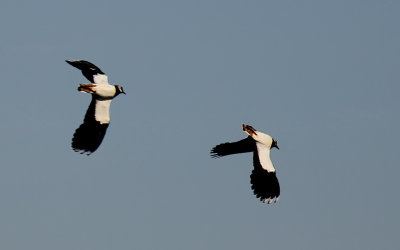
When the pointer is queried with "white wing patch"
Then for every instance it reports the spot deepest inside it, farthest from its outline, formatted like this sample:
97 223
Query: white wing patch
263 156
100 79
102 111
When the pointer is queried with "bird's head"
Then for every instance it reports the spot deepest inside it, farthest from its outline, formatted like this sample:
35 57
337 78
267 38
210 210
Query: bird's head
119 90
274 144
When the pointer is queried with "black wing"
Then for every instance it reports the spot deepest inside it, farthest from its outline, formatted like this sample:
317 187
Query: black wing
88 137
242 146
264 184
88 69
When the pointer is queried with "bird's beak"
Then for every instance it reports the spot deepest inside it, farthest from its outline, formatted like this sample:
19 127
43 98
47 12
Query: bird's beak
249 129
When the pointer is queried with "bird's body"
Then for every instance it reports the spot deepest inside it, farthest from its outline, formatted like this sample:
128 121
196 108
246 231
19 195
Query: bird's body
104 92
88 137
263 178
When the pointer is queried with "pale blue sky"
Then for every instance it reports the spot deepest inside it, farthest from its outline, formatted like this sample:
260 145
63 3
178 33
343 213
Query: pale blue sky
322 77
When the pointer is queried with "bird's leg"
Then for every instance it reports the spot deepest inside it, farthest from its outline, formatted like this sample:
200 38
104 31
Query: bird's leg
87 87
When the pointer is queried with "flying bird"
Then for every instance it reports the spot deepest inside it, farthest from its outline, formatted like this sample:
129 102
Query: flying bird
263 178
88 137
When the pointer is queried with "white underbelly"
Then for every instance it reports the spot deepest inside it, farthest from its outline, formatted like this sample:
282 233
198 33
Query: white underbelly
105 91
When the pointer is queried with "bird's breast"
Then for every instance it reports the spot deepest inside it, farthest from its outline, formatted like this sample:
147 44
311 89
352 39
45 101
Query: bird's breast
105 92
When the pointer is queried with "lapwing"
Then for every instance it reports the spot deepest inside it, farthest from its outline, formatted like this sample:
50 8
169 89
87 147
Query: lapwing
88 137
263 179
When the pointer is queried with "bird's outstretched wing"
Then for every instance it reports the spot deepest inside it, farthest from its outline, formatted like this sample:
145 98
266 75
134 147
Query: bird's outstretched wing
89 70
264 184
243 146
88 137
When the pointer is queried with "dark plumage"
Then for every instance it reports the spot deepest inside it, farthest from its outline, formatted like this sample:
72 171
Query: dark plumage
88 137
88 69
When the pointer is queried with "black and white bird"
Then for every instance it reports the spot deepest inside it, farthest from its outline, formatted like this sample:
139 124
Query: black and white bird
263 178
88 137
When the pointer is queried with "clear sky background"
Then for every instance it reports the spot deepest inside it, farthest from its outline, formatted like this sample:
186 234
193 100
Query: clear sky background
322 77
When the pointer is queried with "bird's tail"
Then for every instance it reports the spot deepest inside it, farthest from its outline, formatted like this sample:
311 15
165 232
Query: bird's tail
87 87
